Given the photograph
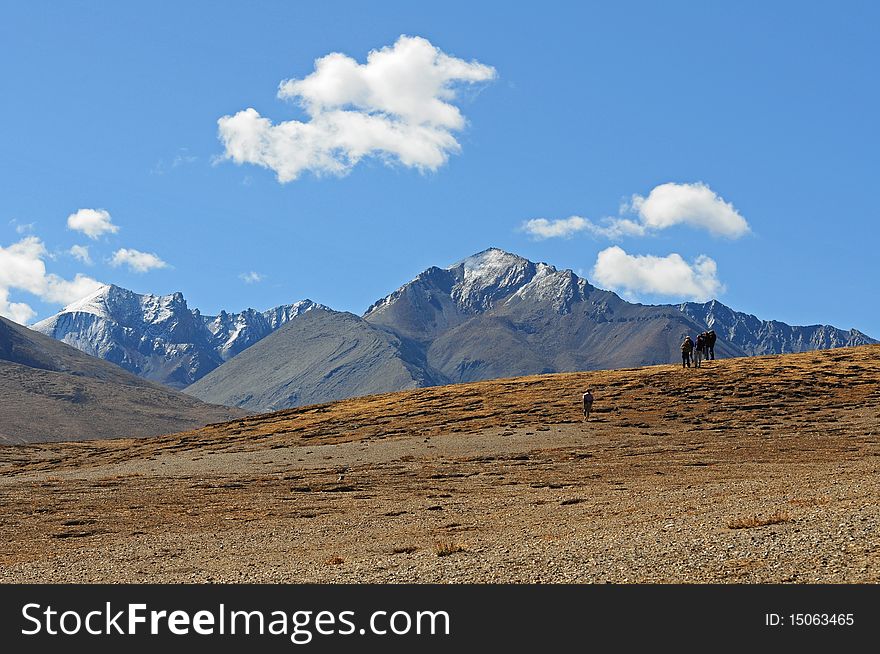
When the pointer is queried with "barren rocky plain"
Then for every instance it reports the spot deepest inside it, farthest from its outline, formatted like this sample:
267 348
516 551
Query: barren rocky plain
749 470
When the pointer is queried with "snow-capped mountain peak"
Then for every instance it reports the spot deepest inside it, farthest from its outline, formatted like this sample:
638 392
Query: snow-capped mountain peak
494 275
94 303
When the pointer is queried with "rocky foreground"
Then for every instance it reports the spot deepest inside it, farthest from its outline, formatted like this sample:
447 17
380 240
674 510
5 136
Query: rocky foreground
746 471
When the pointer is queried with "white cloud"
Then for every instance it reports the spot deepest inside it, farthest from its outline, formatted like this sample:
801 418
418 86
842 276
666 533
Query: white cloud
136 260
695 205
398 106
251 277
22 267
667 205
565 227
670 275
613 228
92 222
81 253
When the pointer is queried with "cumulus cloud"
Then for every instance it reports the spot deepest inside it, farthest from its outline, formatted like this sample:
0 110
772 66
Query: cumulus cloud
81 253
397 106
23 267
695 205
670 275
667 205
136 260
92 222
251 277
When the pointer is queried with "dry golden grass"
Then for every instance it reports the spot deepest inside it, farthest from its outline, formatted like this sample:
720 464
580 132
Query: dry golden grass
754 388
752 521
406 549
445 548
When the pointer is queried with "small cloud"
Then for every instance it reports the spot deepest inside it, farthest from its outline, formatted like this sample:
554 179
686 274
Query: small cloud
695 205
182 158
24 228
613 228
398 107
667 205
136 260
542 228
92 222
251 277
670 275
81 253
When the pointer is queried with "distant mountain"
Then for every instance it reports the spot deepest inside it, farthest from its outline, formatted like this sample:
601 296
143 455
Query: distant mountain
755 336
321 356
159 337
496 314
54 392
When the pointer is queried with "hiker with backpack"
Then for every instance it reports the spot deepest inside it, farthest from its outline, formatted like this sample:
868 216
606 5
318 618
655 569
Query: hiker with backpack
700 349
687 346
588 404
711 336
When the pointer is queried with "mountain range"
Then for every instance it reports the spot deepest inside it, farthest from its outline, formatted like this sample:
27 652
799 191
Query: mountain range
158 337
493 314
53 392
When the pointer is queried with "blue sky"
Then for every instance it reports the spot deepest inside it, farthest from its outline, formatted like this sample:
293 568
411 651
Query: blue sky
771 106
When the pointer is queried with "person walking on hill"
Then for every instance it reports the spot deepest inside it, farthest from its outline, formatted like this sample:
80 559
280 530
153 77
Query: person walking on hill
687 346
588 404
699 350
711 336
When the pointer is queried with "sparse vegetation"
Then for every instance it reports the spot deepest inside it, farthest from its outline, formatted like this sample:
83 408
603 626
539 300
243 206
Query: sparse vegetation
406 549
752 521
445 548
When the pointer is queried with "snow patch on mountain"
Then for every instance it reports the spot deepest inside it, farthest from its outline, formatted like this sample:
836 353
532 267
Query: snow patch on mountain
234 332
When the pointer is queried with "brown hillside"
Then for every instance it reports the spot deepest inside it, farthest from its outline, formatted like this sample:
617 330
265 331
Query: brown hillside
746 470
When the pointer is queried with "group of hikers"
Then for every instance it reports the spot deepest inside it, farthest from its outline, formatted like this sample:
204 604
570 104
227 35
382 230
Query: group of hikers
704 348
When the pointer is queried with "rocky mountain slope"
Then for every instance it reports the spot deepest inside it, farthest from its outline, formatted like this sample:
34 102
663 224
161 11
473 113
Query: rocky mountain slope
159 337
321 356
51 392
